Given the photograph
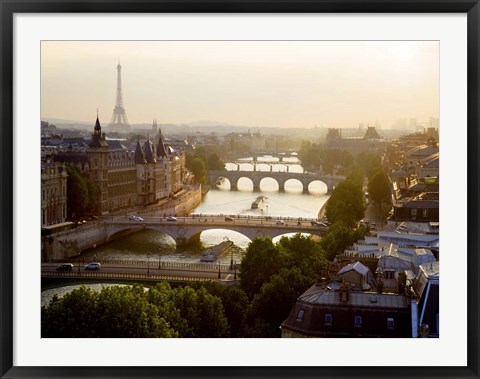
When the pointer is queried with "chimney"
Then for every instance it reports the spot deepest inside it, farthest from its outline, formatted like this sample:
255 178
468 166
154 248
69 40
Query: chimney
379 279
401 282
344 292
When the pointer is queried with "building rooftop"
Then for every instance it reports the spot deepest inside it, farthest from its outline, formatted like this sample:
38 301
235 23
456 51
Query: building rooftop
324 296
357 266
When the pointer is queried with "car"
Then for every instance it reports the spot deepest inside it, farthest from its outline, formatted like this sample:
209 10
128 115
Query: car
65 267
135 218
228 219
280 222
171 218
93 266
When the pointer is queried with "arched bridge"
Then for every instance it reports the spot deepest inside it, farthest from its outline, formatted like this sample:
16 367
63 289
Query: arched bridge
188 229
281 177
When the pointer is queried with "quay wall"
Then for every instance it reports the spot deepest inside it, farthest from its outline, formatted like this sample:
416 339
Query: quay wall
71 242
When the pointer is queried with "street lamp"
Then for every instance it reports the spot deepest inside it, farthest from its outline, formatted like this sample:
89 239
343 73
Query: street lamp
159 259
235 271
219 275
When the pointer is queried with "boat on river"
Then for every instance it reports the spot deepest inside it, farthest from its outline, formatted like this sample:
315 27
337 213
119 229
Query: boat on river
259 202
211 255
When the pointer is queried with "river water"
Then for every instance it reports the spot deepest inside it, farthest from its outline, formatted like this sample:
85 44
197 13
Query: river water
155 246
293 202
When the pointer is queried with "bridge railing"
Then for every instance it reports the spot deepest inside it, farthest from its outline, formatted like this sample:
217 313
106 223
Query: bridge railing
153 264
125 276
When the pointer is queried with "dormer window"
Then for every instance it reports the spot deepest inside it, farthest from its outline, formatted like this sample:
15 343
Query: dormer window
300 314
390 323
357 321
328 319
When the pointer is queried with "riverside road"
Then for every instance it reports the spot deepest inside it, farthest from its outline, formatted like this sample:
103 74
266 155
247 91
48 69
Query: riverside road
187 272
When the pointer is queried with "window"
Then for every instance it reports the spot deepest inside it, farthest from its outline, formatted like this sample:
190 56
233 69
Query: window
328 319
300 314
390 323
425 213
413 213
357 321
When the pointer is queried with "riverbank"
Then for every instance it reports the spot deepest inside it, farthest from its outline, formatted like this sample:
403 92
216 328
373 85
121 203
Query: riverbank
322 210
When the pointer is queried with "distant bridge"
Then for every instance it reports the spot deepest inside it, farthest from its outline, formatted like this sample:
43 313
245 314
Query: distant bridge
281 177
254 156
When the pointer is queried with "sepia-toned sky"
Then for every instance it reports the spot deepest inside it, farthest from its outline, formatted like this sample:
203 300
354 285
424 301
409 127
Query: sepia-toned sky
252 83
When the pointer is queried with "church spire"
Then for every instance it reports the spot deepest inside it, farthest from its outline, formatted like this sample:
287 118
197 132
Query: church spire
161 150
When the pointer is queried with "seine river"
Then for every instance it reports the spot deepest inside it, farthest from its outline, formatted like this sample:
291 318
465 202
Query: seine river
293 202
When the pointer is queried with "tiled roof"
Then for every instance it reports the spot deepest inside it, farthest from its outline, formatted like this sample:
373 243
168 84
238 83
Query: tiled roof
357 266
318 295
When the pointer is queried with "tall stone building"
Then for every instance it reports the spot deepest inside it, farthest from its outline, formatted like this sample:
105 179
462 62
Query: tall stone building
126 179
160 170
54 193
98 158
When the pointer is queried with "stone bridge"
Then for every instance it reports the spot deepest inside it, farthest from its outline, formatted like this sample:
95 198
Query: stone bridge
184 231
281 177
187 230
253 157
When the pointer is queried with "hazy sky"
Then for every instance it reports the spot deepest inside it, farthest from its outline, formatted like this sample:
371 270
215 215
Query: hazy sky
283 84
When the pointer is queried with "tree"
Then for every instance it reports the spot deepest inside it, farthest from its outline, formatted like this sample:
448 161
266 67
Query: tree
125 312
277 297
214 162
368 162
261 260
235 303
346 204
303 252
198 168
379 187
339 237
93 206
202 311
113 312
77 192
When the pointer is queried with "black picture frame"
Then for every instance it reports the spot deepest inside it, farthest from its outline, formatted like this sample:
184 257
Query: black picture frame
10 8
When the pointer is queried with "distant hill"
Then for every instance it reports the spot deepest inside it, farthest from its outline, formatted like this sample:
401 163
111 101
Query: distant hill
56 121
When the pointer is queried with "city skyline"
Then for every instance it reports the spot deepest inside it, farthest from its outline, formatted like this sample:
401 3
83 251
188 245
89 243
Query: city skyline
316 83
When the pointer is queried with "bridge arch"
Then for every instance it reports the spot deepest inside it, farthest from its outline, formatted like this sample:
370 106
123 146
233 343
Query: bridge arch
291 234
292 183
256 176
268 179
317 187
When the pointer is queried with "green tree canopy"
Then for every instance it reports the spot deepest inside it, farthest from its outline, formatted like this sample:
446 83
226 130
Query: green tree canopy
203 312
346 203
339 237
276 298
261 260
214 162
113 312
197 166
77 192
379 187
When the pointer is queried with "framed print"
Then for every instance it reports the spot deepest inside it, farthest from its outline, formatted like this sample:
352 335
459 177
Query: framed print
238 189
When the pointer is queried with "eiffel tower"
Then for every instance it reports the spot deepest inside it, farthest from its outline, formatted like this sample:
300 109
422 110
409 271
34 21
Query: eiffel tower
119 118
